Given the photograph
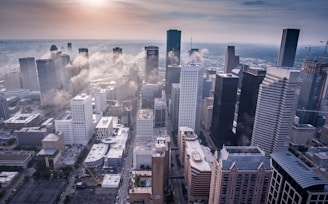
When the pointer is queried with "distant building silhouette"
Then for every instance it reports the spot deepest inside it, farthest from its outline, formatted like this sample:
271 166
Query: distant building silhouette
191 88
28 74
151 68
13 80
117 54
288 47
231 60
275 110
314 76
4 108
252 78
223 109
47 80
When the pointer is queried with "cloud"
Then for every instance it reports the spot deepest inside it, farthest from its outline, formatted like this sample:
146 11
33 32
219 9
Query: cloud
253 3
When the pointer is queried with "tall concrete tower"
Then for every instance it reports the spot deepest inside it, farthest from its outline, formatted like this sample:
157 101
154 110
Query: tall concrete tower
191 88
275 110
28 73
231 60
47 80
151 65
288 47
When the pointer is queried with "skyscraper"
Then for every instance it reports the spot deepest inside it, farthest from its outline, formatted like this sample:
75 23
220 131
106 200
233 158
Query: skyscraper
47 80
82 121
231 60
4 108
151 68
275 110
191 81
173 44
240 175
314 76
174 106
252 78
223 109
293 181
173 76
28 73
117 60
288 47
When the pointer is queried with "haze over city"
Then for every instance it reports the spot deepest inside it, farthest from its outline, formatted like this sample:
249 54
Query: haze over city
217 21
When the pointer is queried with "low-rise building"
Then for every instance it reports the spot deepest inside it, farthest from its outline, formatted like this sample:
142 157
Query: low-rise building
47 158
31 136
7 178
16 158
54 140
111 181
96 155
22 120
104 128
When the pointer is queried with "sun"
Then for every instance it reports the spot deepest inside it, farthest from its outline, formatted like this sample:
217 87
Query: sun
95 2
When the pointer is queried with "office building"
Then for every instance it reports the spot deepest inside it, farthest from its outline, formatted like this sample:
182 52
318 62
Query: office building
231 60
28 74
197 166
100 97
104 128
172 76
19 121
160 169
240 174
47 81
174 106
191 81
148 94
64 124
295 182
4 108
31 136
275 110
252 78
207 113
173 46
117 58
159 112
13 81
185 134
194 56
82 121
288 47
223 109
302 134
314 75
145 122
151 64
54 141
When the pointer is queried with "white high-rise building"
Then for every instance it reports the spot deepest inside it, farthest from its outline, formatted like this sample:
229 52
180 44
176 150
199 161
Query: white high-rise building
64 125
82 121
275 110
191 88
145 122
100 101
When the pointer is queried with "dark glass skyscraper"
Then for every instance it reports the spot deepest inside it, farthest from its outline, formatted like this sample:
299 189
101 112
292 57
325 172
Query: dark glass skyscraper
173 46
223 109
151 68
252 78
28 73
288 47
231 60
47 80
314 77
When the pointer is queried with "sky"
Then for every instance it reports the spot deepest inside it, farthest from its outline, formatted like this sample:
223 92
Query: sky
218 21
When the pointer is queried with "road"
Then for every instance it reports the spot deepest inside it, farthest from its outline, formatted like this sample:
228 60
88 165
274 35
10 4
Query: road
124 189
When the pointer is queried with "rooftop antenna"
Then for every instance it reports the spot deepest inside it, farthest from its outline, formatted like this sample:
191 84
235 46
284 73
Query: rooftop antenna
191 41
324 53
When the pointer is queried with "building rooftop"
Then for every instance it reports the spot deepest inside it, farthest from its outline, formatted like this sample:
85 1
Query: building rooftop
104 122
51 137
22 118
145 114
244 157
197 157
297 169
47 151
32 129
144 143
111 181
97 152
15 155
66 116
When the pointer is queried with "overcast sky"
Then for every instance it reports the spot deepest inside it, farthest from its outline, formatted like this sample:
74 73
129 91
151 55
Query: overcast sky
259 21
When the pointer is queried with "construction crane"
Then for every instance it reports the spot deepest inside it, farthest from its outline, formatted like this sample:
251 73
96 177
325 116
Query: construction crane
98 182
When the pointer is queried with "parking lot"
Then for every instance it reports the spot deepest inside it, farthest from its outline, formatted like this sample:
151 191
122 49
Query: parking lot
94 195
41 191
